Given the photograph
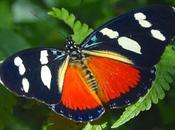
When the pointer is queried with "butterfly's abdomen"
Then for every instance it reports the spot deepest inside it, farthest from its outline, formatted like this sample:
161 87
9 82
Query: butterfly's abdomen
87 74
90 78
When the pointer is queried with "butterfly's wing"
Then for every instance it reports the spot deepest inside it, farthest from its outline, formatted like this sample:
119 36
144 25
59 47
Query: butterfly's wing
78 101
119 83
135 41
33 73
140 35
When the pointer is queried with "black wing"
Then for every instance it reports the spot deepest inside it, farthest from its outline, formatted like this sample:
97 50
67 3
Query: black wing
33 73
141 35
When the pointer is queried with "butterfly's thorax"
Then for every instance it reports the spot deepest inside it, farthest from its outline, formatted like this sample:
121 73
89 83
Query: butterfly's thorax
79 60
73 50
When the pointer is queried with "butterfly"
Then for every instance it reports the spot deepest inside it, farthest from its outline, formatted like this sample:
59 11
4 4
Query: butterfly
113 67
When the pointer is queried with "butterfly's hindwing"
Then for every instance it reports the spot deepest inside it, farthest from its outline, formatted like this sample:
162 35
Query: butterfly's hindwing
33 73
147 77
140 35
79 115
78 101
120 84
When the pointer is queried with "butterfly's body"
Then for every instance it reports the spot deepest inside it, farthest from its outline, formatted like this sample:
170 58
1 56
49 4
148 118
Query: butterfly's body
78 60
115 65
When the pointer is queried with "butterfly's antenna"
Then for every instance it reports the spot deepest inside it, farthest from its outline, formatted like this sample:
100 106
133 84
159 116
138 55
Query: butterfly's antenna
63 36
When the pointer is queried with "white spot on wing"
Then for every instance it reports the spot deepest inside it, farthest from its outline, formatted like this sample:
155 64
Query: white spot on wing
44 57
110 33
129 44
145 23
18 61
139 16
46 76
22 69
173 8
158 35
25 84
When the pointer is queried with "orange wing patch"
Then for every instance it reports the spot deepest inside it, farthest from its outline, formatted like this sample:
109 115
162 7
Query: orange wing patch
114 78
76 94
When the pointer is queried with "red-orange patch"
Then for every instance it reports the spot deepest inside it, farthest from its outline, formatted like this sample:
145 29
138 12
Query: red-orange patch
114 77
76 92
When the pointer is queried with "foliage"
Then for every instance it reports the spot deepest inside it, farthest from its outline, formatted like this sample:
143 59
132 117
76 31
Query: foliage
25 24
80 31
6 108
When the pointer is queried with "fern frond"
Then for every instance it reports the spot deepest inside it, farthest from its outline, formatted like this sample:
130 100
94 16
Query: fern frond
95 127
45 127
80 31
165 70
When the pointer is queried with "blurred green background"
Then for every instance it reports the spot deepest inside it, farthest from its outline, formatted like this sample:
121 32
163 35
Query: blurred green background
25 24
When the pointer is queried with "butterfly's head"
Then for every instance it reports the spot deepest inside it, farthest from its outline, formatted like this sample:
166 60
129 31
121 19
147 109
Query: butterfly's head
72 49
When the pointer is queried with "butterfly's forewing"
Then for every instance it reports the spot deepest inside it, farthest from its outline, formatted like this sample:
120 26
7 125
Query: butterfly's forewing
140 35
33 73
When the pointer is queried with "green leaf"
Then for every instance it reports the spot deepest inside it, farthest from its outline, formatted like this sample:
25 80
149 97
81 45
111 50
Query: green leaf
45 127
7 102
11 43
87 127
95 127
81 31
165 70
5 15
